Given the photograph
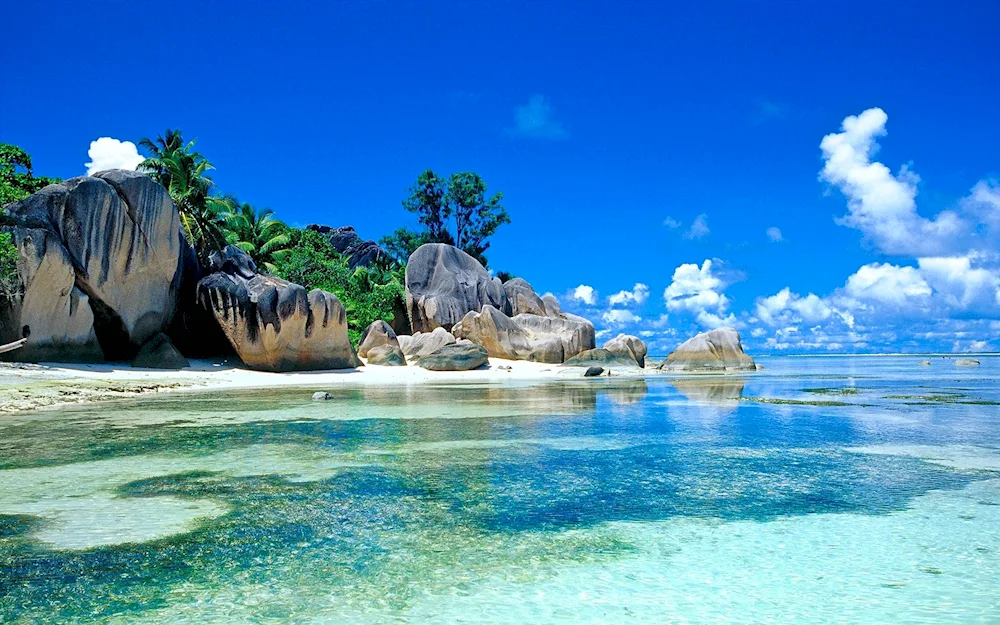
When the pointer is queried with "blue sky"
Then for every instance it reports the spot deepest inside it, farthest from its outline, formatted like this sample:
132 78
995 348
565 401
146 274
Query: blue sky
633 142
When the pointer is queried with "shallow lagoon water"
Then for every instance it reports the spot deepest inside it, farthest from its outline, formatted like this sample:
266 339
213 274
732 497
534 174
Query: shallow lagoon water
821 490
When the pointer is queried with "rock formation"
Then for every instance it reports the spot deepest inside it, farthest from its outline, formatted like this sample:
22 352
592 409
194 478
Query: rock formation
551 304
159 353
443 284
523 298
272 324
526 336
100 265
424 343
378 333
966 362
602 358
387 356
719 349
461 355
629 345
359 253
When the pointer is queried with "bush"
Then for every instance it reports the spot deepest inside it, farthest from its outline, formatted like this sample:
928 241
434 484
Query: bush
367 293
10 284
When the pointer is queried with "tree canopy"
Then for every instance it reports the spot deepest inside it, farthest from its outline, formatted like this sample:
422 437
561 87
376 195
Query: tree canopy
17 180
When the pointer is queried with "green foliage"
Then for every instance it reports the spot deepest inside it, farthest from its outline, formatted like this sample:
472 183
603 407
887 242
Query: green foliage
10 284
17 181
403 242
456 211
184 173
368 293
505 276
258 233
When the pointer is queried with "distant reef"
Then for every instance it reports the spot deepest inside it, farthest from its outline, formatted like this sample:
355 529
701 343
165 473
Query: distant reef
106 274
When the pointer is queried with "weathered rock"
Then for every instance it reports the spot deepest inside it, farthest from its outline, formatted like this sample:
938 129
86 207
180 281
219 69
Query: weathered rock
593 372
629 345
966 362
100 260
378 333
551 304
526 337
924 363
459 356
359 253
387 356
160 353
275 325
522 298
321 396
719 349
601 358
424 343
443 284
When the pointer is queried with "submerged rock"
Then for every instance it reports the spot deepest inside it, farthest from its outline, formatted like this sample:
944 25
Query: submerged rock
443 284
719 349
628 345
160 353
424 343
966 362
601 358
459 356
593 372
377 334
100 266
924 363
321 396
275 325
387 356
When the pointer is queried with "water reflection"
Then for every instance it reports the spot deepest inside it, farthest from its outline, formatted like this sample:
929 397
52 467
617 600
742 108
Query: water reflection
720 391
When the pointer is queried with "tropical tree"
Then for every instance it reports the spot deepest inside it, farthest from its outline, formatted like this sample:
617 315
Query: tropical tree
455 210
258 233
17 181
184 173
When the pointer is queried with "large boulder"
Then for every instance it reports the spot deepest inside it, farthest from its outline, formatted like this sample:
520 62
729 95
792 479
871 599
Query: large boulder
629 345
461 355
359 253
601 358
719 349
424 343
443 284
160 353
523 298
387 356
100 261
377 333
551 304
526 337
272 324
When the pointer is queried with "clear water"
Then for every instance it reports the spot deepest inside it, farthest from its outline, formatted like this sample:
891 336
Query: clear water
822 490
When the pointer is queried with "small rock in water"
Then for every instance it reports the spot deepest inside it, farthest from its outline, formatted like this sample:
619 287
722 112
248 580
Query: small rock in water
924 363
966 362
593 372
321 396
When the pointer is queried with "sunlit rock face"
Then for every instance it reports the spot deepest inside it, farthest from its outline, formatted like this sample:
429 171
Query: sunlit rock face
272 324
526 336
719 349
630 345
100 267
443 283
377 334
523 298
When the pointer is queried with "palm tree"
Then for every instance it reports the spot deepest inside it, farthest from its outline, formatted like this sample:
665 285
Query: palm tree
258 233
183 172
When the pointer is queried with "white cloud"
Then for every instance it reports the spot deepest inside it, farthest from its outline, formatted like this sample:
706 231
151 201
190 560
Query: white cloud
638 295
619 316
670 222
882 205
107 153
699 227
882 282
774 234
958 282
698 291
585 294
536 120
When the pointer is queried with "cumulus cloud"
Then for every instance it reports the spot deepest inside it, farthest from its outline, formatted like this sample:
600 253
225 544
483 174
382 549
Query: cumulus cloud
536 120
638 296
882 205
585 294
698 291
774 234
699 227
107 153
620 316
670 222
882 282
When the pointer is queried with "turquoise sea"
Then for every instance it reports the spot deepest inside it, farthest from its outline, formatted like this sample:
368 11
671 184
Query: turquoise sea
820 490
